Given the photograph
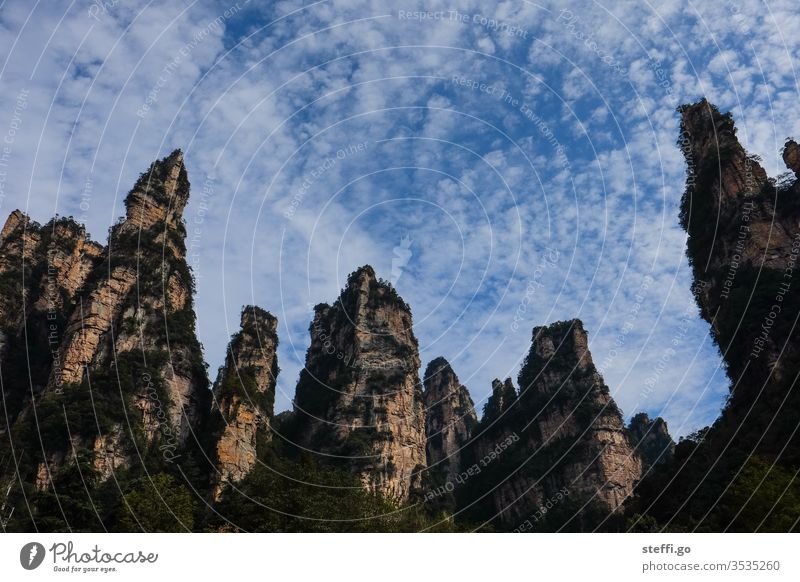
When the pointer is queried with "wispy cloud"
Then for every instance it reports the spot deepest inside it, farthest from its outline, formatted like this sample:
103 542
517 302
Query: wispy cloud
487 136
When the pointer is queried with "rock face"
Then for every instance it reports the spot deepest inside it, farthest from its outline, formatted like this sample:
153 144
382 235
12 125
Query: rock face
651 439
92 323
111 331
244 397
743 245
503 397
449 418
42 271
160 315
730 190
563 432
791 156
359 398
744 242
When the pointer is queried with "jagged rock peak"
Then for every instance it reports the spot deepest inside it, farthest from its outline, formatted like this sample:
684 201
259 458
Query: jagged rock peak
791 156
651 438
372 289
563 397
359 395
160 194
503 396
568 339
449 419
254 316
252 350
16 221
365 272
45 267
439 373
362 278
20 238
709 144
244 397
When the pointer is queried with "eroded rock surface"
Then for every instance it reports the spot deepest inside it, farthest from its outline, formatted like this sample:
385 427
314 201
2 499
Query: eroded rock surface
359 397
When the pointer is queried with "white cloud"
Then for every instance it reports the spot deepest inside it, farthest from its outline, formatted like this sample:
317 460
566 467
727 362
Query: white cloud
262 100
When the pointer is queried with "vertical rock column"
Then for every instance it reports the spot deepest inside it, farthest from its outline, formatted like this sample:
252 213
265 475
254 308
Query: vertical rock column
359 398
449 418
244 397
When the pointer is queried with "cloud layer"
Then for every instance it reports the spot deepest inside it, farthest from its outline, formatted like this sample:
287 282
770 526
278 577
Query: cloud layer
505 164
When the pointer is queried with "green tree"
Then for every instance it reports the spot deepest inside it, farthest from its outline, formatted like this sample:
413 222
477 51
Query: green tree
157 504
763 497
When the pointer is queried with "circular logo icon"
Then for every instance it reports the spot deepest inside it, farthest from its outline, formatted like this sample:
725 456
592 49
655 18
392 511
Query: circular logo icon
31 555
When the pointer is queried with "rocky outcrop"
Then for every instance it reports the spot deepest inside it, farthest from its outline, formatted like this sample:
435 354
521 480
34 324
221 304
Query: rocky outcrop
42 271
91 323
159 197
744 243
563 432
359 399
449 418
728 195
791 156
503 396
651 439
110 330
151 238
244 397
19 243
110 453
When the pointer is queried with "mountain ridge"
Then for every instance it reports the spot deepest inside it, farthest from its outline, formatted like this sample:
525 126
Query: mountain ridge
117 414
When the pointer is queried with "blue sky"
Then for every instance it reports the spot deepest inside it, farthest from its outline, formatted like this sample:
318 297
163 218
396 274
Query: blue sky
506 164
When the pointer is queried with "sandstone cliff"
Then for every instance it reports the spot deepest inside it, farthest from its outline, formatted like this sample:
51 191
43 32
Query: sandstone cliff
142 301
117 377
743 245
359 399
562 436
42 271
244 398
744 242
449 418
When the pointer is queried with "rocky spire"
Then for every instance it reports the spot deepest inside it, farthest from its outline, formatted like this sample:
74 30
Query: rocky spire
244 397
359 398
43 269
651 439
131 329
729 207
570 433
503 396
743 245
709 142
159 196
562 391
449 418
147 248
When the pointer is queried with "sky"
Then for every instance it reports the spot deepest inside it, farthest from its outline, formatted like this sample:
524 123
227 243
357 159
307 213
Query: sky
504 164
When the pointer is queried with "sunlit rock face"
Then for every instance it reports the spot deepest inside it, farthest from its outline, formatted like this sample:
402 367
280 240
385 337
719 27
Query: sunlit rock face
359 398
244 398
111 331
